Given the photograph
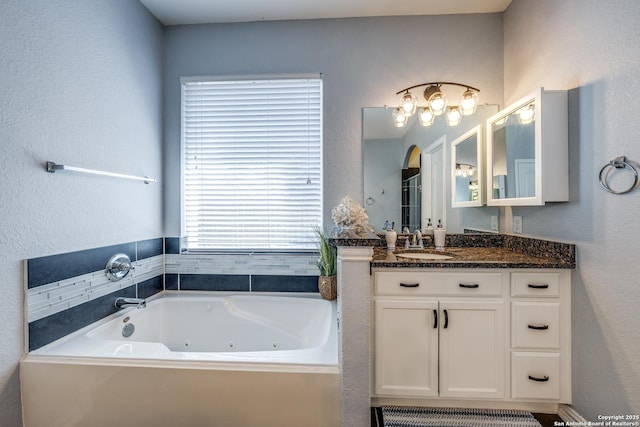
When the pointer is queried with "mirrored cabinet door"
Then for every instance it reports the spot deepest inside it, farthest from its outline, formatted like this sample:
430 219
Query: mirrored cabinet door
467 171
527 151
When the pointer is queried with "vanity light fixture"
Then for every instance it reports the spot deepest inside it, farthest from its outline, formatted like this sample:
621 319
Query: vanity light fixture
527 114
464 169
399 117
436 104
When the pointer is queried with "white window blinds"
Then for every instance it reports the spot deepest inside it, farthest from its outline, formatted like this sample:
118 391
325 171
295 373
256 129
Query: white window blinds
252 163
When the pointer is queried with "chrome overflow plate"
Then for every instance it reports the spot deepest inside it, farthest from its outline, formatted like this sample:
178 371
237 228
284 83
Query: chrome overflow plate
118 267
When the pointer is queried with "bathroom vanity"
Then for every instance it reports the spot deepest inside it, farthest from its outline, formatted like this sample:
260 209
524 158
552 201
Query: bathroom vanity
488 327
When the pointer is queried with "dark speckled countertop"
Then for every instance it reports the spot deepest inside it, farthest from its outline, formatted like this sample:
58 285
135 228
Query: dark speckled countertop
467 257
469 250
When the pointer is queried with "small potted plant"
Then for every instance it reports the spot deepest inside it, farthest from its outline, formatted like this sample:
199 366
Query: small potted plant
327 264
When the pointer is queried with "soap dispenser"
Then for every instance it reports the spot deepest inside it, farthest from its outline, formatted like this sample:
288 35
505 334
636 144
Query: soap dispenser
390 237
429 230
439 235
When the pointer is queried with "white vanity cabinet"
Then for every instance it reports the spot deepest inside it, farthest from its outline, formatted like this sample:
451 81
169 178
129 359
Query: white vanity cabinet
541 336
455 335
439 334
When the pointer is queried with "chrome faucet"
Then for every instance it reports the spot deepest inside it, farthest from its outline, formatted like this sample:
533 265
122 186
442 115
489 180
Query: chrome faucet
415 242
122 302
417 238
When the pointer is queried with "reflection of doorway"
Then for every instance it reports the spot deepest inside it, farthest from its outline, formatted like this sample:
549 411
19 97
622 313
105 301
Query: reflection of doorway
433 182
525 177
411 189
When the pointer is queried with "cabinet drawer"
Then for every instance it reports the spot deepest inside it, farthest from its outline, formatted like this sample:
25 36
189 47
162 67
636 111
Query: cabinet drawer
458 283
535 284
535 375
535 325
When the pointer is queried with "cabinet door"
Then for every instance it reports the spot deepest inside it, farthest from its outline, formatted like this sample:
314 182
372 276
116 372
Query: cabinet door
472 349
406 348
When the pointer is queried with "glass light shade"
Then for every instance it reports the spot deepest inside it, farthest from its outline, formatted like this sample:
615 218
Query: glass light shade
469 102
426 116
527 114
453 116
438 103
399 118
408 103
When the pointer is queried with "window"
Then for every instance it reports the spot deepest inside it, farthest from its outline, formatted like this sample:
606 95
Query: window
252 163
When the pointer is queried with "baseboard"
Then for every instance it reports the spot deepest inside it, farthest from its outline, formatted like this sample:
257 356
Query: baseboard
568 414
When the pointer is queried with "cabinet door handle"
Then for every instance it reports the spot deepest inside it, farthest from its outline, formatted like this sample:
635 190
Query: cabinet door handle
409 285
435 319
469 285
538 285
538 328
540 380
446 319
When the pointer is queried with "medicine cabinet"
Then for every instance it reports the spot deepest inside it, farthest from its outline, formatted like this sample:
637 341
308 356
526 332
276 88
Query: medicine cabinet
527 151
467 179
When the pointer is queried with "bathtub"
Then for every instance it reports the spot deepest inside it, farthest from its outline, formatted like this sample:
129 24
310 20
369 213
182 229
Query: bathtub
192 359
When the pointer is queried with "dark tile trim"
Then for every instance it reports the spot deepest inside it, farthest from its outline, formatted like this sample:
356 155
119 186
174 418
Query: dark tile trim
171 245
171 282
51 328
150 287
149 248
214 282
49 269
284 283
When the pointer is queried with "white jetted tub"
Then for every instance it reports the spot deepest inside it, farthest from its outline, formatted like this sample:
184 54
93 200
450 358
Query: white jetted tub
192 360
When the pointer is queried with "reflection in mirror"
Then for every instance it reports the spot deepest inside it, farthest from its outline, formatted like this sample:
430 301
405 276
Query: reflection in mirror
411 189
513 155
467 169
384 150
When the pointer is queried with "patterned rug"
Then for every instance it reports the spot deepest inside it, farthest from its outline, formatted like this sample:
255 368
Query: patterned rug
407 416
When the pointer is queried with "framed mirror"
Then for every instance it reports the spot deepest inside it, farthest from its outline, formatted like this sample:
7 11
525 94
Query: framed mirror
527 151
467 171
385 150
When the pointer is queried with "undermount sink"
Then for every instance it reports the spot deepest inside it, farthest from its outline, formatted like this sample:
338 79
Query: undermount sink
414 255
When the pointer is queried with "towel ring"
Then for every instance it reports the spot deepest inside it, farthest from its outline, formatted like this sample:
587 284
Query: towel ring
617 163
370 201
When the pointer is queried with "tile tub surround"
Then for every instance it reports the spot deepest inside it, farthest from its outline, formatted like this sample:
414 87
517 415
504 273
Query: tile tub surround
66 292
243 272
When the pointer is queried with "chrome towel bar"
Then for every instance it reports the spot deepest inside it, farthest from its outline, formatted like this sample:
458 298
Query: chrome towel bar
53 167
617 163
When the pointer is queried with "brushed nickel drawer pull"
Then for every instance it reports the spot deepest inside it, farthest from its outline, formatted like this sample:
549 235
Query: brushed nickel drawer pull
538 285
540 380
469 285
409 285
538 328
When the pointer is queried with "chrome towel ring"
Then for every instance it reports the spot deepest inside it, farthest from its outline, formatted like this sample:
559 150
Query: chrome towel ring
617 163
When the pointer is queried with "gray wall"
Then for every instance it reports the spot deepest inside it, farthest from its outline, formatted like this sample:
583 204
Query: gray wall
363 61
591 48
81 84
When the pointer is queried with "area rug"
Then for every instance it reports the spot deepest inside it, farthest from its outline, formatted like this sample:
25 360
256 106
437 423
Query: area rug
409 416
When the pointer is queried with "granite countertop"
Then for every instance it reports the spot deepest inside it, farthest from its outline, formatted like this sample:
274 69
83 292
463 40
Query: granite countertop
490 250
467 257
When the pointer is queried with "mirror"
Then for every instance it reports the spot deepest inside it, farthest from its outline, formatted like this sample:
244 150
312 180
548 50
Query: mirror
513 154
467 172
385 150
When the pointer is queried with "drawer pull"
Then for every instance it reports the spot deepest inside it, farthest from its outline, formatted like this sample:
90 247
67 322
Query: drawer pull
538 285
446 319
469 285
409 285
538 328
540 380
435 319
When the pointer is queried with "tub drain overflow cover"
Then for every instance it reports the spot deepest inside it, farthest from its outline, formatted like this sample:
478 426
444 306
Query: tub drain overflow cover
127 330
